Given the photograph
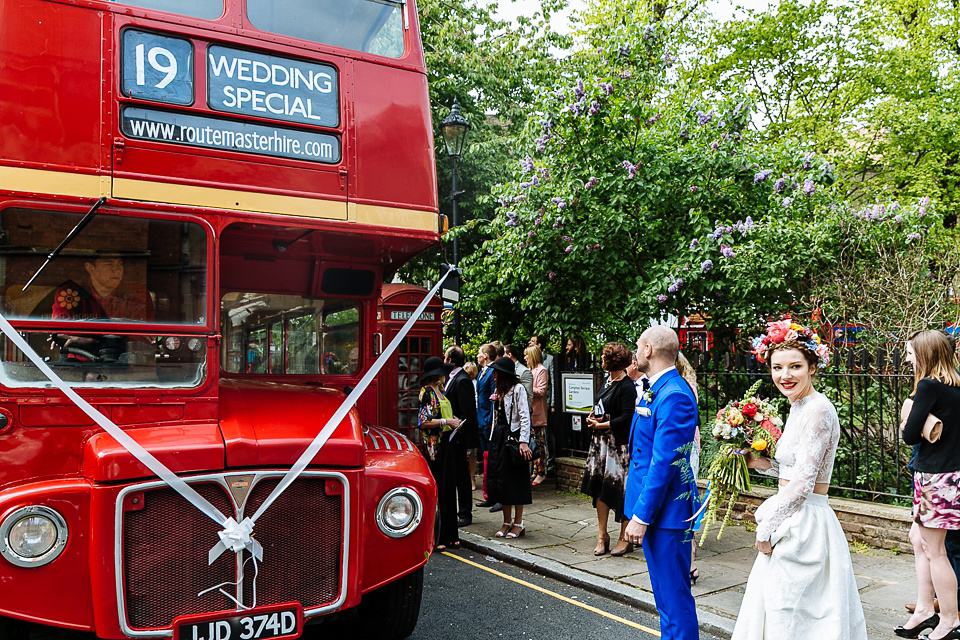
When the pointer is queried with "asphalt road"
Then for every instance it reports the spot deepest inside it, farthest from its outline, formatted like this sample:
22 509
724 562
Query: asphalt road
467 597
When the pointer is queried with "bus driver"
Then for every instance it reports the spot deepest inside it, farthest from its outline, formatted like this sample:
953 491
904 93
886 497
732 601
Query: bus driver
100 294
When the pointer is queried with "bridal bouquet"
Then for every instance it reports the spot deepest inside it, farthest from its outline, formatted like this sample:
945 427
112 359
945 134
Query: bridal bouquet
750 423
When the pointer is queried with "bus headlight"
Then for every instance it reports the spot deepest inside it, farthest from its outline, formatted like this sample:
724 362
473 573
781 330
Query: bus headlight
32 536
399 512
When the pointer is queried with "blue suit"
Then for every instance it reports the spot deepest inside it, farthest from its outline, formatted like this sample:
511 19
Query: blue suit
661 491
484 405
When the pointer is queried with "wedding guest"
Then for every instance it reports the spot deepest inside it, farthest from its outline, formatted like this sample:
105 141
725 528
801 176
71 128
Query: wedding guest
690 376
485 357
575 354
608 455
538 415
509 479
936 501
523 372
802 583
435 422
540 340
471 369
463 400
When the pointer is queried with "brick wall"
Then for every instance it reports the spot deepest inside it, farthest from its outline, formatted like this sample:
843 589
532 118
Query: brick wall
878 525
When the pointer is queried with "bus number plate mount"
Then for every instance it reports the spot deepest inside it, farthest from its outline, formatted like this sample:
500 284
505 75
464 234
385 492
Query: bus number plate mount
262 623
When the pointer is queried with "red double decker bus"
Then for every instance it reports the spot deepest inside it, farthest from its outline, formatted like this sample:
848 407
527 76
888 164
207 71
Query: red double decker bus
199 202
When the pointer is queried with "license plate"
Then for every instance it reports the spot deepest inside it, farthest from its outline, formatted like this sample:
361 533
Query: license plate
276 621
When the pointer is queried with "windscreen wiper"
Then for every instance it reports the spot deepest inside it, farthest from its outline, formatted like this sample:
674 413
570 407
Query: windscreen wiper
70 236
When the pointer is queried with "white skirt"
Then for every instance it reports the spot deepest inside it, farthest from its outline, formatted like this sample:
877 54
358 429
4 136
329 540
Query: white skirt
806 587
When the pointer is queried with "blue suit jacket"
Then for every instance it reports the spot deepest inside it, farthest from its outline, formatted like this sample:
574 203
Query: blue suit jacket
484 406
660 489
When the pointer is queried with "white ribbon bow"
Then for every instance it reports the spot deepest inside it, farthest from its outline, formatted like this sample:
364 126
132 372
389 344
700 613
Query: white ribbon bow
236 536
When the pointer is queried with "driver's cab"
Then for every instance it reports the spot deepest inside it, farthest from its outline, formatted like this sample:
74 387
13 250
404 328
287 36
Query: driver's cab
107 299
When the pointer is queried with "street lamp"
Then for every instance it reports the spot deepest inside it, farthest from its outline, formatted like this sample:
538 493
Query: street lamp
454 130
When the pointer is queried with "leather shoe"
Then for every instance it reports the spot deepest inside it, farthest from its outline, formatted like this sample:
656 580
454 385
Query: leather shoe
486 503
914 632
912 607
496 507
464 521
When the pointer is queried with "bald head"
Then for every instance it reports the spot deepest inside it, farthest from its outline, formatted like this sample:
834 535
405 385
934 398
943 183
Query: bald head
657 349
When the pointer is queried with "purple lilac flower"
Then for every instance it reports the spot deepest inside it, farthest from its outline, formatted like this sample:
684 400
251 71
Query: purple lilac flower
786 202
737 109
661 298
748 224
675 286
925 201
561 204
653 120
578 91
542 143
560 93
761 176
607 87
527 164
898 219
590 183
596 246
512 219
706 266
809 187
576 108
569 248
913 237
520 198
567 239
558 222
727 252
807 160
694 243
624 50
594 108
894 206
551 276
667 60
532 234
626 74
694 188
922 212
717 233
546 125
714 145
501 201
704 118
779 185
631 169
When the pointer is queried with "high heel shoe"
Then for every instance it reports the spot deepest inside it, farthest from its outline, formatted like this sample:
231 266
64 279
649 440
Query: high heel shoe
914 632
503 530
622 550
953 634
694 576
517 534
603 546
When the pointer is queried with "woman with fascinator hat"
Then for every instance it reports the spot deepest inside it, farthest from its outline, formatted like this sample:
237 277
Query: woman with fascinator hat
509 479
802 583
436 424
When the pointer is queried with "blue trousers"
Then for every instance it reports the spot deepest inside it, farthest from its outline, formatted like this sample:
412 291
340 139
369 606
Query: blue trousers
668 559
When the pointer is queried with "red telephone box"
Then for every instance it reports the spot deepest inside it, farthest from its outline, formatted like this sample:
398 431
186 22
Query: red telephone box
398 384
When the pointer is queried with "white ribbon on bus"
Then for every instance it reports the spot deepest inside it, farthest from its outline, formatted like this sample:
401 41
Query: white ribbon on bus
235 536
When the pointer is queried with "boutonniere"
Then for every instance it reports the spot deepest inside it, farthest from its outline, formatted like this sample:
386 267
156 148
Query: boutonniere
649 395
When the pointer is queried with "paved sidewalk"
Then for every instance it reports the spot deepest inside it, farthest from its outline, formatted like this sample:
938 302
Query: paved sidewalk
561 535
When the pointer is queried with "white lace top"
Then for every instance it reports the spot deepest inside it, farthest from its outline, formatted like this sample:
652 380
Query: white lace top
805 455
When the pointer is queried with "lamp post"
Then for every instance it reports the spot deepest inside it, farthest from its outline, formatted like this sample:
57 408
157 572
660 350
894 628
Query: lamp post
454 130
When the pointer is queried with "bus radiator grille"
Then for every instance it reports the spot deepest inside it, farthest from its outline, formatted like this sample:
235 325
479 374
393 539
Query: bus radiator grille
165 548
302 538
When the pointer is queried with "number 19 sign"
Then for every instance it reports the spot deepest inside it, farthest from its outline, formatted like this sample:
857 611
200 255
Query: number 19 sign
162 67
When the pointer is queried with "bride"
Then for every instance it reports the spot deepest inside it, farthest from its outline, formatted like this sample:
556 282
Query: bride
802 583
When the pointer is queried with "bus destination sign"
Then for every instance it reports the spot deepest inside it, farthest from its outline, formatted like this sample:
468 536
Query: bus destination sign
160 69
256 84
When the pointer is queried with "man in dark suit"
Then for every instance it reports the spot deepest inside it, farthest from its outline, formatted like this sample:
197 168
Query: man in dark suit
463 402
661 495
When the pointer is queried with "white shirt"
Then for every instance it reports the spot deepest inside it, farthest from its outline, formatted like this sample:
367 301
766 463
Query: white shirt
450 378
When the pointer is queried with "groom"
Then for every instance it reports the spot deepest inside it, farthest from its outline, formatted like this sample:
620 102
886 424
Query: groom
660 493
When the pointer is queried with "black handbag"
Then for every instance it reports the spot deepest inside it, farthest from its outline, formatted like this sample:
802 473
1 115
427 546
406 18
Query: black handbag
513 449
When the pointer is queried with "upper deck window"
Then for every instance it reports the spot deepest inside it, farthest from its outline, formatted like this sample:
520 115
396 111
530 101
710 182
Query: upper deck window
204 9
371 26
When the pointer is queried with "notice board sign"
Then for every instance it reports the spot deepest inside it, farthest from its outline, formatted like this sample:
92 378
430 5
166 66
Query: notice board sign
577 392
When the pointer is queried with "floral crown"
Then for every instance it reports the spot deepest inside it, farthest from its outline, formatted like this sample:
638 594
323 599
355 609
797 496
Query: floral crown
789 331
